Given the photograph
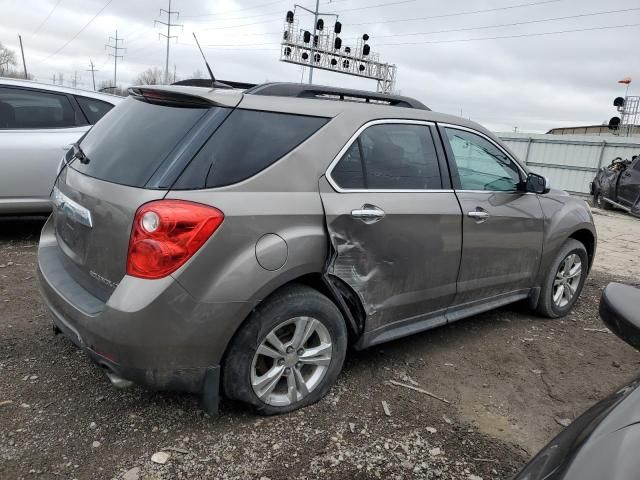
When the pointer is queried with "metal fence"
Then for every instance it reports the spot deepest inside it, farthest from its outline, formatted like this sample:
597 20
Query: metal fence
570 162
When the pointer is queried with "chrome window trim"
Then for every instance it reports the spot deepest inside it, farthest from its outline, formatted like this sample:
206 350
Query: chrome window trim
490 140
353 138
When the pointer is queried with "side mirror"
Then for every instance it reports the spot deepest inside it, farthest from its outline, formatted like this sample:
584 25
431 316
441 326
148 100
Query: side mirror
537 184
619 311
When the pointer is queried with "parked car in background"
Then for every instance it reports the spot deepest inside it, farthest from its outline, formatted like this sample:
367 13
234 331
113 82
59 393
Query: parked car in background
38 123
603 442
618 185
205 237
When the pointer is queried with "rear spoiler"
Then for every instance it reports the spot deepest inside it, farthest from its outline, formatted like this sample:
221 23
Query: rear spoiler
168 98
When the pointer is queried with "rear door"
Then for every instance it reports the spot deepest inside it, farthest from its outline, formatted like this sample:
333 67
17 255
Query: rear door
502 226
36 127
629 184
394 223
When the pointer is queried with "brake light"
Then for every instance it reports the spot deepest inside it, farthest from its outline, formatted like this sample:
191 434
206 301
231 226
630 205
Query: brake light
166 233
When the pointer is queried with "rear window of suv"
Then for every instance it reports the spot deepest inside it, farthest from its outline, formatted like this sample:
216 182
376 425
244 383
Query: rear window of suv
132 141
245 144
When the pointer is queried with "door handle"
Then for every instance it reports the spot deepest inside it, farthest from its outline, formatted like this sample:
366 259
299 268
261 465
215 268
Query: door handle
478 215
368 213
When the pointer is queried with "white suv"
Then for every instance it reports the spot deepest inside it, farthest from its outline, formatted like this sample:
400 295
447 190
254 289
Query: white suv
38 122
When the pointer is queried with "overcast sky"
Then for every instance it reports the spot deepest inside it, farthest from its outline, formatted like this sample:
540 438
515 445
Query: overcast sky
534 82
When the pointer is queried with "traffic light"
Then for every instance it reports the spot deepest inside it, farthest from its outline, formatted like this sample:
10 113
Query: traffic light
614 123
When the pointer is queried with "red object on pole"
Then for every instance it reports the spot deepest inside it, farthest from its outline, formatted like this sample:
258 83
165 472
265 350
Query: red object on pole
625 80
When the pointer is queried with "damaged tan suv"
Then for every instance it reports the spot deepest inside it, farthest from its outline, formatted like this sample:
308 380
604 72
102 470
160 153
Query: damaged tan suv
236 242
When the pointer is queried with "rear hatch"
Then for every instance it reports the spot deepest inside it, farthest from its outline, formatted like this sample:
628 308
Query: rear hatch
129 158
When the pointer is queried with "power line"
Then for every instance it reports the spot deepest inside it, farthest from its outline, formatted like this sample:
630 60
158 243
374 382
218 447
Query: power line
235 11
275 13
78 33
528 22
483 27
236 47
468 12
47 17
516 36
168 35
278 14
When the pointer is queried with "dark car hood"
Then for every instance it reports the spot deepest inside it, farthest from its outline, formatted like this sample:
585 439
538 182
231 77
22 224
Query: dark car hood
600 444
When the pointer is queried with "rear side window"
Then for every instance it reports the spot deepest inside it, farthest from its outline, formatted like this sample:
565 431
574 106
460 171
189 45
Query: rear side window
130 143
246 143
390 156
33 109
93 109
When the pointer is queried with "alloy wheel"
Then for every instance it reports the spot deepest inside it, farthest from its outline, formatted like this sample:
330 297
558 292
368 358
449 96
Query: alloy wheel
291 361
567 280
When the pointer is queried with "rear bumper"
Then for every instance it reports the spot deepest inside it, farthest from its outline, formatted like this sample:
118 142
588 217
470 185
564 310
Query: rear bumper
151 332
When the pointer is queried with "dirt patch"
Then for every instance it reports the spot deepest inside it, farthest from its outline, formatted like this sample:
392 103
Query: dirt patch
618 243
511 378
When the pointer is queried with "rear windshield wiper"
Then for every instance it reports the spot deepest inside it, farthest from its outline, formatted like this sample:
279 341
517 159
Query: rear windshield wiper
79 154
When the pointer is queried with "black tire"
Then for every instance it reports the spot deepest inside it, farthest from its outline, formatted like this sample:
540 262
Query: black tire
598 201
292 301
546 306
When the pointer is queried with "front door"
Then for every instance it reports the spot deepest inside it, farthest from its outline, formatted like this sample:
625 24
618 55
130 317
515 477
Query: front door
502 227
629 184
394 225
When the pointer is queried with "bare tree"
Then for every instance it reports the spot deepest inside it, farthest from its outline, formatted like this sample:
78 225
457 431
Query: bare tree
7 60
151 76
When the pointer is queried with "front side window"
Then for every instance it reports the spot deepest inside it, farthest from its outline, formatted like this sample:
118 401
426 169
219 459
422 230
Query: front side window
32 109
481 165
390 156
93 109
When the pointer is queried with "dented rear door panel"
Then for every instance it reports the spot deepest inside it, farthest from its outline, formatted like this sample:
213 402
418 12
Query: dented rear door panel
404 265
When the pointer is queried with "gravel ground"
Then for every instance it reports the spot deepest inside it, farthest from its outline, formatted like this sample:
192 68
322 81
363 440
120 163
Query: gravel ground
512 379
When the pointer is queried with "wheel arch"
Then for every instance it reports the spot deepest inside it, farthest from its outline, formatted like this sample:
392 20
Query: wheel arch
588 239
339 292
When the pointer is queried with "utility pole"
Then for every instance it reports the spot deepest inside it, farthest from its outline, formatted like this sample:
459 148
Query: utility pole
168 36
53 79
93 75
24 64
115 48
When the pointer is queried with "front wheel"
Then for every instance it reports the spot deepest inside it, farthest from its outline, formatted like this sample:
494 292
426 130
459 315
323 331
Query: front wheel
564 281
289 352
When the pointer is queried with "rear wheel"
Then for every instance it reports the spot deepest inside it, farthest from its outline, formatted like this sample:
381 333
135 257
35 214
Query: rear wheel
288 354
564 281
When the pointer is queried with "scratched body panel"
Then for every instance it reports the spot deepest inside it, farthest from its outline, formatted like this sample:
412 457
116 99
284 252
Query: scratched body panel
405 264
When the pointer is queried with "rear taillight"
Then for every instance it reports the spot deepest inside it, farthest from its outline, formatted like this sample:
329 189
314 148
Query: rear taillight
166 233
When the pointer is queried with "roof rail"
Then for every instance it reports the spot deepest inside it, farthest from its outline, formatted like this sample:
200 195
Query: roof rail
300 90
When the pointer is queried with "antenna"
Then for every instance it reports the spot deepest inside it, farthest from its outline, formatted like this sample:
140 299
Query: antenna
213 78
